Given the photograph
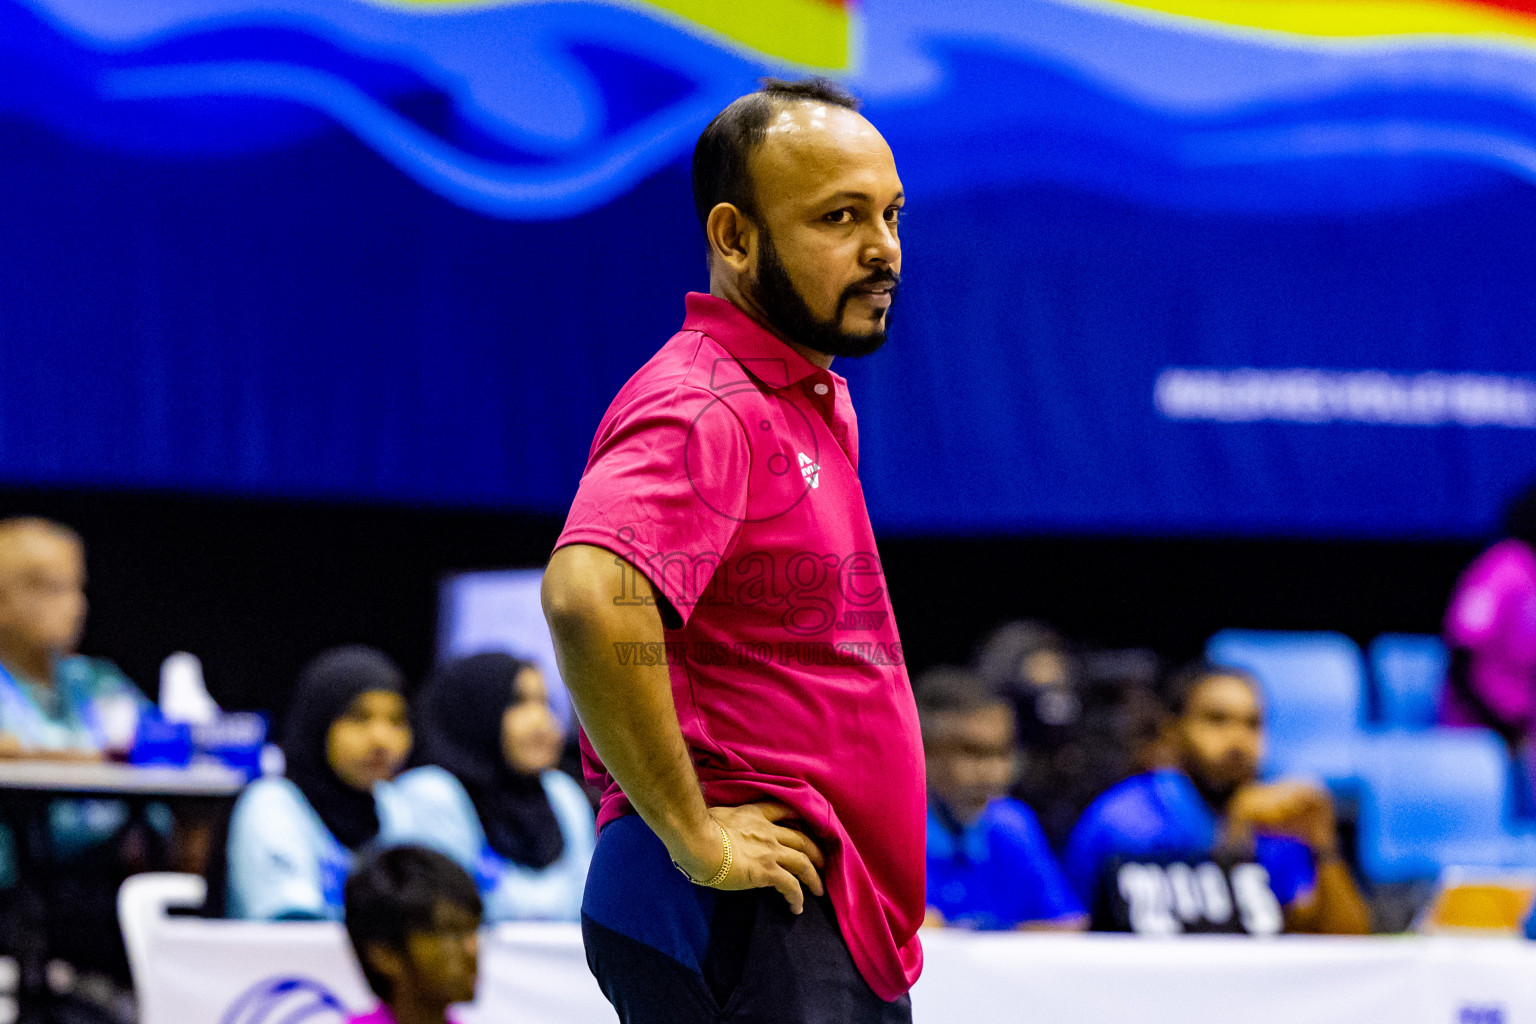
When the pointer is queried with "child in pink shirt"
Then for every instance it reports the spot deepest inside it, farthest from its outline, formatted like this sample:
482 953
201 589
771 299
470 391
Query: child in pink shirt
413 916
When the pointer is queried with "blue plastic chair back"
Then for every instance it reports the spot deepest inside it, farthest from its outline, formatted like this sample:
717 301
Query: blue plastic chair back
1431 799
1409 671
1313 682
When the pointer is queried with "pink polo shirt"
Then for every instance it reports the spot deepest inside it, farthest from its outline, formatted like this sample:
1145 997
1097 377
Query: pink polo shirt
726 469
380 1015
1493 615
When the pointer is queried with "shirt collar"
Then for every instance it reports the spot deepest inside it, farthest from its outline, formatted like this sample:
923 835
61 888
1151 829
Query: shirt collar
767 358
948 839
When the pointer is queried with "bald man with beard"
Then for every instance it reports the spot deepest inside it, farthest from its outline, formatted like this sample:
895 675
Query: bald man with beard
721 616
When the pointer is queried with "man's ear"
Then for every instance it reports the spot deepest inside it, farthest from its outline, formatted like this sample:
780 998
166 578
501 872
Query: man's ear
732 236
386 960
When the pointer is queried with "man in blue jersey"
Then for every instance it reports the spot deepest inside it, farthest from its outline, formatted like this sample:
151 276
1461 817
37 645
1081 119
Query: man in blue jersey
1206 847
989 866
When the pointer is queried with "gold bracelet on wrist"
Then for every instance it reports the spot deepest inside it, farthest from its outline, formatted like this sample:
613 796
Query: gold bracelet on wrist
725 865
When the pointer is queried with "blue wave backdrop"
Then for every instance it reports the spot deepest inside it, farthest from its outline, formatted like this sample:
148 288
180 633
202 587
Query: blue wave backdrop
376 251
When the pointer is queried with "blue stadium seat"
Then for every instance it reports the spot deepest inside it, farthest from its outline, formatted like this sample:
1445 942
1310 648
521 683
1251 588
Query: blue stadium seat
1436 799
1409 671
1314 686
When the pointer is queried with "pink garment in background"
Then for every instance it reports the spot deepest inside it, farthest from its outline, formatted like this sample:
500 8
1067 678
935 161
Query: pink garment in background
381 1016
378 1016
1493 615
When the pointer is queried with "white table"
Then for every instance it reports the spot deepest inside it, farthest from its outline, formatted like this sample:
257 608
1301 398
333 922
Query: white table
27 788
65 778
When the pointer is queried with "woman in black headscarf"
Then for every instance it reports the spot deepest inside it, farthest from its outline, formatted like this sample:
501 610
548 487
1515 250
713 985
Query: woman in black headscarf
292 840
486 720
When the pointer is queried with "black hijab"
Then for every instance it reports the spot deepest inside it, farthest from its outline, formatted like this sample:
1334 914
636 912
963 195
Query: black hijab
461 710
326 687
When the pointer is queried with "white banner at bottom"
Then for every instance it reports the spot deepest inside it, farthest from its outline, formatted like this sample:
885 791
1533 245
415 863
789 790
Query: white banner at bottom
191 971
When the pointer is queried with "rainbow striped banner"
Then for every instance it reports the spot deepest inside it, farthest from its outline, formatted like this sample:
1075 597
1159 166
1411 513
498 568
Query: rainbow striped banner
540 110
814 33
1360 19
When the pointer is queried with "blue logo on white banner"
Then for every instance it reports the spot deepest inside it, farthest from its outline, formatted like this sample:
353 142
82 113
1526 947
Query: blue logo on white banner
286 1001
1481 1015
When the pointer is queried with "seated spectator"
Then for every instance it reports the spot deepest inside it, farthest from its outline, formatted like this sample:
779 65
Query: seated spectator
413 916
487 720
1032 666
989 866
1084 715
1490 627
54 703
58 705
1205 846
292 840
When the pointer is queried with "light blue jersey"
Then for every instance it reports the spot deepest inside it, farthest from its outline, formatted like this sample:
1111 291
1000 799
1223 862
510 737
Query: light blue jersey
284 862
511 891
88 702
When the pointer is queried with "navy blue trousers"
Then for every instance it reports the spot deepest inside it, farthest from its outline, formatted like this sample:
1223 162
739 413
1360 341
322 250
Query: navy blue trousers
665 951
